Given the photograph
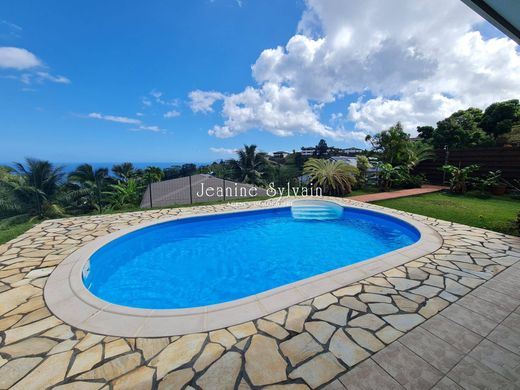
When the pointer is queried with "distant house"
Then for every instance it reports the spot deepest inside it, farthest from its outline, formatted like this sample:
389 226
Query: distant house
308 151
280 154
196 189
349 160
351 151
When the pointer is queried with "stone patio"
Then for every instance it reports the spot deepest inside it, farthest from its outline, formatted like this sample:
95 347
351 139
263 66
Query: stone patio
343 339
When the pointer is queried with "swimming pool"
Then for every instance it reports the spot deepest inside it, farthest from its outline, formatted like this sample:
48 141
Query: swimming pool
208 260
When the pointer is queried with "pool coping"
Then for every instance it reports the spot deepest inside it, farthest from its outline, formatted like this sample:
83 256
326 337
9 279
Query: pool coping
68 298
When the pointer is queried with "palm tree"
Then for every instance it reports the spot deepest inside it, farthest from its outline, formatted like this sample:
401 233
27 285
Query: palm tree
33 190
124 194
333 177
251 165
419 152
88 186
124 171
153 174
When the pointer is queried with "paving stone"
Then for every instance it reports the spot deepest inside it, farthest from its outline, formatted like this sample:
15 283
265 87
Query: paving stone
13 298
223 373
507 338
89 340
116 347
406 367
456 288
65 345
14 370
272 329
405 304
320 330
432 349
151 346
138 379
369 376
353 303
334 314
470 374
300 348
469 319
447 384
499 299
84 361
413 297
365 339
454 334
388 334
15 334
49 372
176 380
29 347
346 350
79 385
114 368
223 337
498 359
512 321
367 321
278 317
349 290
379 290
426 291
296 317
264 364
433 306
324 301
178 353
404 322
319 370
403 283
61 332
211 352
243 330
369 297
485 308
435 280
382 308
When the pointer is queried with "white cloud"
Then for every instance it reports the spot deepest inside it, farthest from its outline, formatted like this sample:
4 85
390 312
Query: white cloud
223 150
154 129
202 101
17 58
172 114
114 118
416 61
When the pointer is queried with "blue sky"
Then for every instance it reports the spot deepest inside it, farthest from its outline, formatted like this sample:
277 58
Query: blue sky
94 81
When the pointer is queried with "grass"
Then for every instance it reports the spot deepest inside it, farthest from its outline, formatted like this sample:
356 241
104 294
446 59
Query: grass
497 213
11 231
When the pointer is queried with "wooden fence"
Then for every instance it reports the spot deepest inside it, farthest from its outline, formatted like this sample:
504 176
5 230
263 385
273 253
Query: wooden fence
506 159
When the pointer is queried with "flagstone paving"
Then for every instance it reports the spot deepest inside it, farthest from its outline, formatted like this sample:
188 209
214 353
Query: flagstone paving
382 332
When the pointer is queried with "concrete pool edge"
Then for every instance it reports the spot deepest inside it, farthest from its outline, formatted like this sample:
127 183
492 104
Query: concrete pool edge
68 299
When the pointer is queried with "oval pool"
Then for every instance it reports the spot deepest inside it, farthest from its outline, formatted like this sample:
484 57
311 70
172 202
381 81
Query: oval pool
207 260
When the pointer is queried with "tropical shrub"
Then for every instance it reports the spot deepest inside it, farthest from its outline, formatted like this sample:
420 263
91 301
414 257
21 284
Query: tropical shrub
363 165
335 178
459 177
388 175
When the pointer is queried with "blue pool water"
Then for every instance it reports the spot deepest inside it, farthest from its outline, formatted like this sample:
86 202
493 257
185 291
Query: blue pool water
214 259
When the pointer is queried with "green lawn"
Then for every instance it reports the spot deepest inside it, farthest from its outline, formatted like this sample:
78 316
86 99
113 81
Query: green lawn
11 231
496 213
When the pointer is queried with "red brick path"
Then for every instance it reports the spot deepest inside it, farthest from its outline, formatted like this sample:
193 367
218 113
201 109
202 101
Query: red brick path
425 189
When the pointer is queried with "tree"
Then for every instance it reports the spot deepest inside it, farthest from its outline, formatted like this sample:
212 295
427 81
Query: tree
425 132
391 145
461 130
153 174
322 149
363 165
250 166
418 152
188 170
87 186
459 177
33 190
499 118
333 177
124 194
124 171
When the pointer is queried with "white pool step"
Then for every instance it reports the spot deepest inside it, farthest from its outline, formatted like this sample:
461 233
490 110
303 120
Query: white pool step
316 209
